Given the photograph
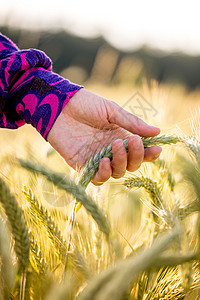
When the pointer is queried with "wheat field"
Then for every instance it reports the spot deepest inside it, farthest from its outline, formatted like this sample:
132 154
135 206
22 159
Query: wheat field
137 237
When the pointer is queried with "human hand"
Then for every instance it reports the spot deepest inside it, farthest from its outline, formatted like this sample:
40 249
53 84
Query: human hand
89 122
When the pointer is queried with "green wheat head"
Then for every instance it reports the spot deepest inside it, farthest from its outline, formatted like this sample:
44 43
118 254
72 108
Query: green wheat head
17 223
44 216
91 167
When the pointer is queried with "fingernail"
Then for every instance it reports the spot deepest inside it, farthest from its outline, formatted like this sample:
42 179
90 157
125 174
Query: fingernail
156 156
155 128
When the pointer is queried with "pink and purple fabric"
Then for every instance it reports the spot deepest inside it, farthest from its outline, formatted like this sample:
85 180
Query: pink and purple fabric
29 91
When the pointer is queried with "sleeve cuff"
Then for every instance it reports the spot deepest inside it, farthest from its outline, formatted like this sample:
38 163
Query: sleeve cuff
39 98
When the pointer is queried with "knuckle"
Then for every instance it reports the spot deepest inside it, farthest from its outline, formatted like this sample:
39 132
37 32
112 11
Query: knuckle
118 174
97 183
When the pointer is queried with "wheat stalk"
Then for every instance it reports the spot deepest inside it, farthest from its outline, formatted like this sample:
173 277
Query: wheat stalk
91 167
114 282
76 190
18 225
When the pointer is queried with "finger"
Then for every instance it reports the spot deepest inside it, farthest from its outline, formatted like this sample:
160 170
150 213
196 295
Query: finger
104 172
128 121
119 161
152 153
135 153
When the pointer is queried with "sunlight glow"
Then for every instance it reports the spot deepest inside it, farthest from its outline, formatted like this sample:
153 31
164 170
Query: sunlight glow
167 25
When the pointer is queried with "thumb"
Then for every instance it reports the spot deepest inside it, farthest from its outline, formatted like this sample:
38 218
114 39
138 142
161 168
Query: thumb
119 116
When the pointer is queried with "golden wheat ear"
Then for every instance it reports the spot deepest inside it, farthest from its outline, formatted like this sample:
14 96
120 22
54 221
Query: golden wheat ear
44 217
17 225
193 144
7 268
19 231
114 282
38 261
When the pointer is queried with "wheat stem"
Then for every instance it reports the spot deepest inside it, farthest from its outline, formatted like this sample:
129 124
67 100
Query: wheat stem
22 285
114 282
76 190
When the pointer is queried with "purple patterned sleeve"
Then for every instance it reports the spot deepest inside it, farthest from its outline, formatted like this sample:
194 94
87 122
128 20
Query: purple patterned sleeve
29 91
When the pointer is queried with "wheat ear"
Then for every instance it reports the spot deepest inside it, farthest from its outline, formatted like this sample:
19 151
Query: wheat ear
91 167
76 190
151 186
194 145
7 269
165 172
18 225
189 209
114 282
47 221
154 190
37 257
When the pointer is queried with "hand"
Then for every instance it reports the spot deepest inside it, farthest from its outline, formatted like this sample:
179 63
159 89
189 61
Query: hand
89 122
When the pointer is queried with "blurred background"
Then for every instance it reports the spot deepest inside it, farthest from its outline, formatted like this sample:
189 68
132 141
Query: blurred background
111 42
119 49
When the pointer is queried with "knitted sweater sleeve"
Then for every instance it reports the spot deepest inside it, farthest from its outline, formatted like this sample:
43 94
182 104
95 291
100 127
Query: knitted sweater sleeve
29 91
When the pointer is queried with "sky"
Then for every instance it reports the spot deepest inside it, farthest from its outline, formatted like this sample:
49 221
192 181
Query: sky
171 25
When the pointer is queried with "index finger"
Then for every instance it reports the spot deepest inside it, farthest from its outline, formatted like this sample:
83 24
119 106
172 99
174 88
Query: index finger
119 116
